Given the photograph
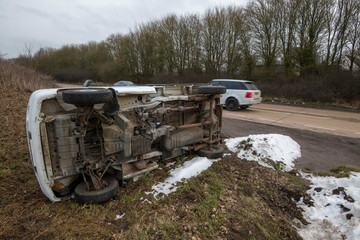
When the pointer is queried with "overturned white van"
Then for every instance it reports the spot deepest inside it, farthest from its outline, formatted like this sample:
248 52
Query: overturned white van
84 141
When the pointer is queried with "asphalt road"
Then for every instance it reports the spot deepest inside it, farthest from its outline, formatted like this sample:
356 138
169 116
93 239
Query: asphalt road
325 121
327 138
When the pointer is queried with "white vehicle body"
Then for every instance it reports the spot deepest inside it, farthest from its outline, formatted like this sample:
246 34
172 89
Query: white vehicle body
119 138
239 93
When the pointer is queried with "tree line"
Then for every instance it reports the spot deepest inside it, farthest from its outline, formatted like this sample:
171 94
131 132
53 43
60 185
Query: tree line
266 40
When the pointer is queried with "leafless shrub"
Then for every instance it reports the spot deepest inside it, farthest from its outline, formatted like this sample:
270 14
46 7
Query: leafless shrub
73 75
22 79
331 87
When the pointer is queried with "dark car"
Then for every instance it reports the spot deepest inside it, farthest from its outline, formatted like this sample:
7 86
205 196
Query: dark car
124 84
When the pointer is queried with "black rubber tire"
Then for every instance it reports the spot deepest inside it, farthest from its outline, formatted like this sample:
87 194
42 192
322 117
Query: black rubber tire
82 195
209 89
244 106
87 96
232 104
216 152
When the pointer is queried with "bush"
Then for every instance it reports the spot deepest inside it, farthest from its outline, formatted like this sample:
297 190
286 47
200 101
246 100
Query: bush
23 79
329 86
74 75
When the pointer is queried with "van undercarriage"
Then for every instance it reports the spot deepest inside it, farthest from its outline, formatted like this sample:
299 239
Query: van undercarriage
84 141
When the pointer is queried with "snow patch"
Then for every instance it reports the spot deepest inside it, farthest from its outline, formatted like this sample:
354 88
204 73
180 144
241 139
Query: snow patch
170 164
146 200
190 169
335 213
266 147
336 210
118 217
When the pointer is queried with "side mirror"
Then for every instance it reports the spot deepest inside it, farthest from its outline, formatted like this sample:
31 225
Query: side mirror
87 83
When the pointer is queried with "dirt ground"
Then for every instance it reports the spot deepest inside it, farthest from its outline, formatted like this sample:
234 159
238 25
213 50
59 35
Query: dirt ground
234 199
320 152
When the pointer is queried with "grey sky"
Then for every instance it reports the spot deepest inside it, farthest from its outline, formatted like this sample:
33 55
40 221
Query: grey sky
53 23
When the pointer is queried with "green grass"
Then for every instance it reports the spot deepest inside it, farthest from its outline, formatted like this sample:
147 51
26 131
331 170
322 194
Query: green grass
339 171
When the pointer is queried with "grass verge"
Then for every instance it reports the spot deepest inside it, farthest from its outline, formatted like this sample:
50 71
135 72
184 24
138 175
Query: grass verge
234 199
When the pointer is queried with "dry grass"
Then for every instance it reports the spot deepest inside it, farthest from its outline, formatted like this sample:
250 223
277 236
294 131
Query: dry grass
14 77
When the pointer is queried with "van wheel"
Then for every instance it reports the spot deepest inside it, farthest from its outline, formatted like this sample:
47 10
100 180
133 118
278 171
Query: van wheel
85 196
217 151
209 89
87 96
232 104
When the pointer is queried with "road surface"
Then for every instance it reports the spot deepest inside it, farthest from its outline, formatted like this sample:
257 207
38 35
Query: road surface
318 120
327 138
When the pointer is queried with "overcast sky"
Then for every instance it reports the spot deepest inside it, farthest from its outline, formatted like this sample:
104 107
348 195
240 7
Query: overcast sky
53 23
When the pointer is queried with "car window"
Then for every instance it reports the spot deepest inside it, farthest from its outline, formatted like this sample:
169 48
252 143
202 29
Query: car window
251 86
231 84
226 84
236 85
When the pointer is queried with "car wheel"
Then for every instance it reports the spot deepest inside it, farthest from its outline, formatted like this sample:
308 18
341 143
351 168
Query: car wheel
232 104
211 89
86 96
83 195
244 106
216 152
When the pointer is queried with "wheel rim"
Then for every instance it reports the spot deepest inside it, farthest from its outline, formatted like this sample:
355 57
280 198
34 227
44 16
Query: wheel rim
231 104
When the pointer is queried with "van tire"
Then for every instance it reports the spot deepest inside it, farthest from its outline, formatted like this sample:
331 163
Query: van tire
87 96
216 152
209 89
232 104
82 195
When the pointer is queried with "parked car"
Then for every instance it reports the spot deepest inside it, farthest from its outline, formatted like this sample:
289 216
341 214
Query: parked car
84 141
239 93
124 84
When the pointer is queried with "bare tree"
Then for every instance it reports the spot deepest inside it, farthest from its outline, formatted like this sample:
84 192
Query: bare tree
339 19
122 50
193 24
354 36
287 26
214 40
264 19
186 42
26 57
235 28
311 23
146 45
166 33
247 53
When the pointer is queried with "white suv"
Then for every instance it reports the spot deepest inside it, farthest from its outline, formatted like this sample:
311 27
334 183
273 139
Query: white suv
239 93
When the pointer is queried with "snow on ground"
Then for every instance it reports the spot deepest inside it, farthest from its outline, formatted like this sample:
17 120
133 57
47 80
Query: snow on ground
190 169
118 217
264 147
336 210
